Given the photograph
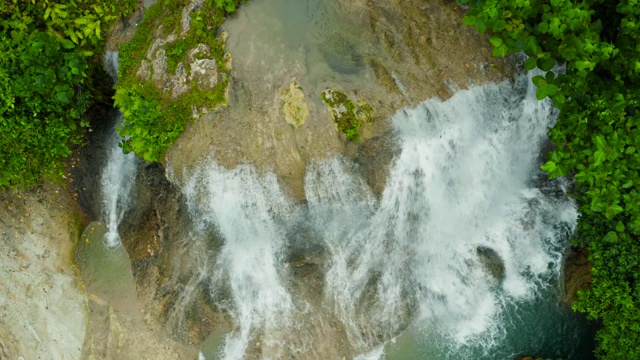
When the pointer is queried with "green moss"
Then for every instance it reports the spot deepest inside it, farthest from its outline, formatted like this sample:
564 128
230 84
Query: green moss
347 115
153 120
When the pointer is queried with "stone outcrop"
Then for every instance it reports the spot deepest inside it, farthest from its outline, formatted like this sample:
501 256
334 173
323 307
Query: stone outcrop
294 106
576 274
491 261
375 157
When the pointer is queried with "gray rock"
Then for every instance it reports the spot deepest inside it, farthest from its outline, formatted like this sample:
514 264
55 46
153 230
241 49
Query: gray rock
144 72
205 73
179 81
185 22
160 71
492 262
374 157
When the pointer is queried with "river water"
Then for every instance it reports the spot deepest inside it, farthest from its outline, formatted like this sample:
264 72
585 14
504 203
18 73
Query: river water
406 275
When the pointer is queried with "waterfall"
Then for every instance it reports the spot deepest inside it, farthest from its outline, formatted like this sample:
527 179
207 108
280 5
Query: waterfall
463 186
119 174
116 182
247 209
462 182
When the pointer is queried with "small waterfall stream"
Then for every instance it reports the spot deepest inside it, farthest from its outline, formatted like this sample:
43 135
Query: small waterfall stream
116 182
118 176
412 264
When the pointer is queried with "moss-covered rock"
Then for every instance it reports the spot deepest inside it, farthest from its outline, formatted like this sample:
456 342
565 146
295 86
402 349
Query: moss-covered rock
294 105
348 115
174 69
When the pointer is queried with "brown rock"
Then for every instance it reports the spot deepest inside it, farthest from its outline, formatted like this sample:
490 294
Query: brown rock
577 273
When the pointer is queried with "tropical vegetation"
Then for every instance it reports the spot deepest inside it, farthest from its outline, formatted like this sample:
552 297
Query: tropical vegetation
596 44
49 77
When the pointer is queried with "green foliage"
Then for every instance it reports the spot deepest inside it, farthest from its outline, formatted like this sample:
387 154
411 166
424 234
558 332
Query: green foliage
153 120
148 128
596 136
46 85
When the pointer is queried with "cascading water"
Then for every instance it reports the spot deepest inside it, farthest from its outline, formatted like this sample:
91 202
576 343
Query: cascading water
414 263
119 173
462 182
116 182
246 209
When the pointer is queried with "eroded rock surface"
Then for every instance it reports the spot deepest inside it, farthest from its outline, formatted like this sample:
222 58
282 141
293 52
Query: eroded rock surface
389 54
43 312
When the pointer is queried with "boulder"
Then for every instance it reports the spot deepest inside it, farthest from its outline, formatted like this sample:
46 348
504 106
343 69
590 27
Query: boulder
491 261
375 157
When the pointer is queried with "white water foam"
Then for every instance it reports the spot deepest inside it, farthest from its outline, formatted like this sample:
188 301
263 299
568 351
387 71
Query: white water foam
247 209
461 181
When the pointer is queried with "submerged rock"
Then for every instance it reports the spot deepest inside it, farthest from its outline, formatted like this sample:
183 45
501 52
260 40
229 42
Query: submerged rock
294 106
491 261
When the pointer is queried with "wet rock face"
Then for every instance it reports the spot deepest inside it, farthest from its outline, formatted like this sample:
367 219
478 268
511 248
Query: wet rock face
426 47
375 157
390 54
491 261
577 274
158 235
42 310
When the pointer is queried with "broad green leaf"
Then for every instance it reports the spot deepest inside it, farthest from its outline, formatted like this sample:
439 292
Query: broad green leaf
546 90
495 41
611 237
599 157
600 142
530 64
549 166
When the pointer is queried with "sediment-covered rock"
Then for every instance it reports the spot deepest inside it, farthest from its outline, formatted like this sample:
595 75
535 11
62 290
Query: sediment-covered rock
389 54
43 312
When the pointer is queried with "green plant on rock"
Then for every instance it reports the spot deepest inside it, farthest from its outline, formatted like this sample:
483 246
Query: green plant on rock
150 134
347 115
596 136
